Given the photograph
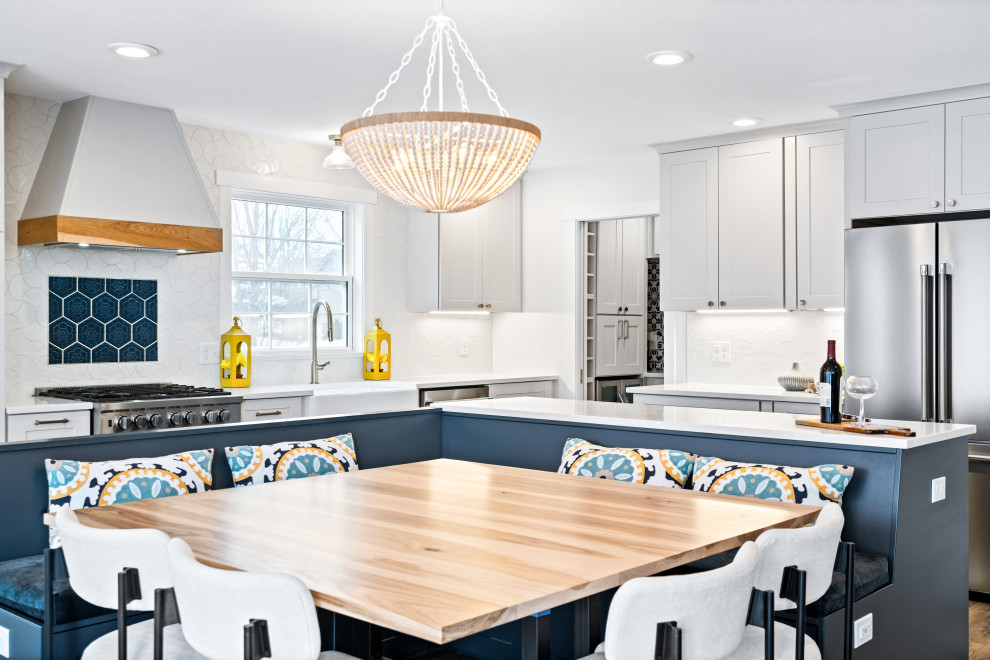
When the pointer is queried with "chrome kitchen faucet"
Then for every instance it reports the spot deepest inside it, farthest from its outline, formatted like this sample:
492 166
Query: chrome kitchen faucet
316 367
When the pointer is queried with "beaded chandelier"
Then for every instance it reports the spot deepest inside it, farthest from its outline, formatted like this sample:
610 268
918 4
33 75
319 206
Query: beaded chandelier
440 161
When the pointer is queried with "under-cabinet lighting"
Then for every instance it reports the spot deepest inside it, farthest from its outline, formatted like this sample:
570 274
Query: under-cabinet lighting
834 309
458 313
742 311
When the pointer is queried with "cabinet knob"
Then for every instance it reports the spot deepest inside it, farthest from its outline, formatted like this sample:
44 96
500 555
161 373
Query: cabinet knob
625 309
711 304
951 202
803 302
480 306
721 303
934 203
488 306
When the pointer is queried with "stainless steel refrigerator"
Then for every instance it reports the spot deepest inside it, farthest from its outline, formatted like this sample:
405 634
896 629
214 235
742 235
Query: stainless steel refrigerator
917 317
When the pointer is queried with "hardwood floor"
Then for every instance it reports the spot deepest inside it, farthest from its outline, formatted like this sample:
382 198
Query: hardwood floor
979 630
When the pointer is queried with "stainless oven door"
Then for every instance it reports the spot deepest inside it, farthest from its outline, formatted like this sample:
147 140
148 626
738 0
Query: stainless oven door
429 397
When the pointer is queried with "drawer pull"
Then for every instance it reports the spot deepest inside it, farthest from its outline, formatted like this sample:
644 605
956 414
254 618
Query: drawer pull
51 421
268 414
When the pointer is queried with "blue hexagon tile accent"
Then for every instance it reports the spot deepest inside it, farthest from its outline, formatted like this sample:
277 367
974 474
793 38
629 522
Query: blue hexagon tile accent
91 319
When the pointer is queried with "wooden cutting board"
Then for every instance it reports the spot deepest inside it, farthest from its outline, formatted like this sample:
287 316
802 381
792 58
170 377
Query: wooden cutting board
850 427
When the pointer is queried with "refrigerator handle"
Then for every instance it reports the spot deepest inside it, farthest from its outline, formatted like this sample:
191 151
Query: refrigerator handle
927 395
944 343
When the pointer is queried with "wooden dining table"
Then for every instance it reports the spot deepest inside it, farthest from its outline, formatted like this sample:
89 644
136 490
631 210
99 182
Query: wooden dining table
444 549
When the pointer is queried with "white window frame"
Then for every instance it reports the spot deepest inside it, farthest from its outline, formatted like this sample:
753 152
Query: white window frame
362 202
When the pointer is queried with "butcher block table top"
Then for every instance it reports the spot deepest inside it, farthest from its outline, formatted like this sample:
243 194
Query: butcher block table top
443 549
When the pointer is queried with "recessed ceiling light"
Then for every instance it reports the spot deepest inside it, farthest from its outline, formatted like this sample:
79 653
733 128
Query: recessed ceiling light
133 50
669 57
745 122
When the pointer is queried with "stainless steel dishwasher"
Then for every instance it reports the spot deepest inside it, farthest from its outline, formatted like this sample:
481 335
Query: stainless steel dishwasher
979 517
441 395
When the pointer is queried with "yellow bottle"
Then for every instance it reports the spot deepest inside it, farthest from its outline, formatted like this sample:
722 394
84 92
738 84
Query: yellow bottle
377 344
235 354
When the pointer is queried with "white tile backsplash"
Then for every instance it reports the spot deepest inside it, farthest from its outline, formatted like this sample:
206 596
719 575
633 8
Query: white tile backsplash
189 289
762 346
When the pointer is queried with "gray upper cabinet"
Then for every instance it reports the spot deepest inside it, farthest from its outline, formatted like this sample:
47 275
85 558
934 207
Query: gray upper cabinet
896 162
469 261
819 216
621 282
967 155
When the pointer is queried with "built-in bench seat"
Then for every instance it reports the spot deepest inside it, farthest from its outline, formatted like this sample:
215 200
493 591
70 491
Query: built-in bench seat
22 589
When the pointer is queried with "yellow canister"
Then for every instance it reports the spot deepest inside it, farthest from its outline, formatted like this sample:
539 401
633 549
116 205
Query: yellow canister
235 357
377 344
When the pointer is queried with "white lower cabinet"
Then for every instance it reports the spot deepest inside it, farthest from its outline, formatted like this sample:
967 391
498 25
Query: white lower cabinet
620 345
44 426
258 410
728 403
538 388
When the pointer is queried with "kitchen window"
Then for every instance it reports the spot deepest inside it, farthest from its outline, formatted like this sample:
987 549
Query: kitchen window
287 253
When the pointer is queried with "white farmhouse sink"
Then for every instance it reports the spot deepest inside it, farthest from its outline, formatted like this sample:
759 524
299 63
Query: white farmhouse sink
361 396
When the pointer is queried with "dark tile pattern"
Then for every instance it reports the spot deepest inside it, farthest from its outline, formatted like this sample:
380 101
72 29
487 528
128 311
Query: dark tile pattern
91 319
654 317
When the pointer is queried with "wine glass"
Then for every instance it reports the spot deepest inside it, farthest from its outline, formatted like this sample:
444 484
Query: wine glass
862 388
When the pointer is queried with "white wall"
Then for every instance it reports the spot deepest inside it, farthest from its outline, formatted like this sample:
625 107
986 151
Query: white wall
762 346
542 337
189 288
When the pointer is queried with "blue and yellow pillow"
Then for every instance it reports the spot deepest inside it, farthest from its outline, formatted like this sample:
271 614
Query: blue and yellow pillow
253 464
80 484
814 485
658 467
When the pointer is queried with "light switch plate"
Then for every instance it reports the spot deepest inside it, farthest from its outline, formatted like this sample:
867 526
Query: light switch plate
4 642
209 353
862 630
938 489
721 351
463 351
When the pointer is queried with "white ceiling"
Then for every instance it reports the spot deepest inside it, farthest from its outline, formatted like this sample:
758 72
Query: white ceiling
299 69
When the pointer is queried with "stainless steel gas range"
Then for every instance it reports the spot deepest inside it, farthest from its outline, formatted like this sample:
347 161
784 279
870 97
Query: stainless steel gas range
152 406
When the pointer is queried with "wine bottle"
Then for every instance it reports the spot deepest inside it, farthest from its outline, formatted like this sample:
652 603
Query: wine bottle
829 387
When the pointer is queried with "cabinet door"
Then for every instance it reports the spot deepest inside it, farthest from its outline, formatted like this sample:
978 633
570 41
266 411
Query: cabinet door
632 348
503 252
751 225
462 259
967 155
687 237
896 162
608 346
258 410
633 282
48 425
820 220
608 294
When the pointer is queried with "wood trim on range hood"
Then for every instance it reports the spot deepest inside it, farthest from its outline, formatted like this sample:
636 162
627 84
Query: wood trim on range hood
69 230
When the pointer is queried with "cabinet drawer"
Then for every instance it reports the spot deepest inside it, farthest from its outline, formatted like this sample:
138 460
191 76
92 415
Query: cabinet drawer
540 388
796 408
47 425
256 410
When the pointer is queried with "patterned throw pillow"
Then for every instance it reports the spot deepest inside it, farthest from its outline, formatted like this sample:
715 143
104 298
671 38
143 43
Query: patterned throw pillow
814 485
251 464
80 485
657 467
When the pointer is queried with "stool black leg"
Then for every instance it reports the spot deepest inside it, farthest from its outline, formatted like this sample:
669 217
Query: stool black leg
536 637
587 625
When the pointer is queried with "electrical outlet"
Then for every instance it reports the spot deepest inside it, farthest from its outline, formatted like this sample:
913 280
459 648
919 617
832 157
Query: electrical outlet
463 351
721 351
862 630
4 642
938 489
209 353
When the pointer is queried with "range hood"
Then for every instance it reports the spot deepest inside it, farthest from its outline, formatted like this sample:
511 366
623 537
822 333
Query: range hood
118 175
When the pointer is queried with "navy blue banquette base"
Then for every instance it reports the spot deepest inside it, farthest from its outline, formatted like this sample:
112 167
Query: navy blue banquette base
922 613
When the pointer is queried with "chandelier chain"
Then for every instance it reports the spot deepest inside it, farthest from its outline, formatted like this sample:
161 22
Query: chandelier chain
434 47
456 68
417 42
477 69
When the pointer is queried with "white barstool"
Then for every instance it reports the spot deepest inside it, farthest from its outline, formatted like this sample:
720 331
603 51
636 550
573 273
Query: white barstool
709 609
122 569
797 565
229 615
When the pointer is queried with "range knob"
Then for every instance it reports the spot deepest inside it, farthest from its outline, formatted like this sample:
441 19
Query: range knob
224 415
175 419
122 423
140 422
210 416
191 417
155 420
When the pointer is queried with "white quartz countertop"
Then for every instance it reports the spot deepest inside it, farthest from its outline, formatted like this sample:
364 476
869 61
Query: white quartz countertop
744 424
755 392
44 404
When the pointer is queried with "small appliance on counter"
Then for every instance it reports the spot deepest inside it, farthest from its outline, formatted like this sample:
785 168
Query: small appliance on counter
152 406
